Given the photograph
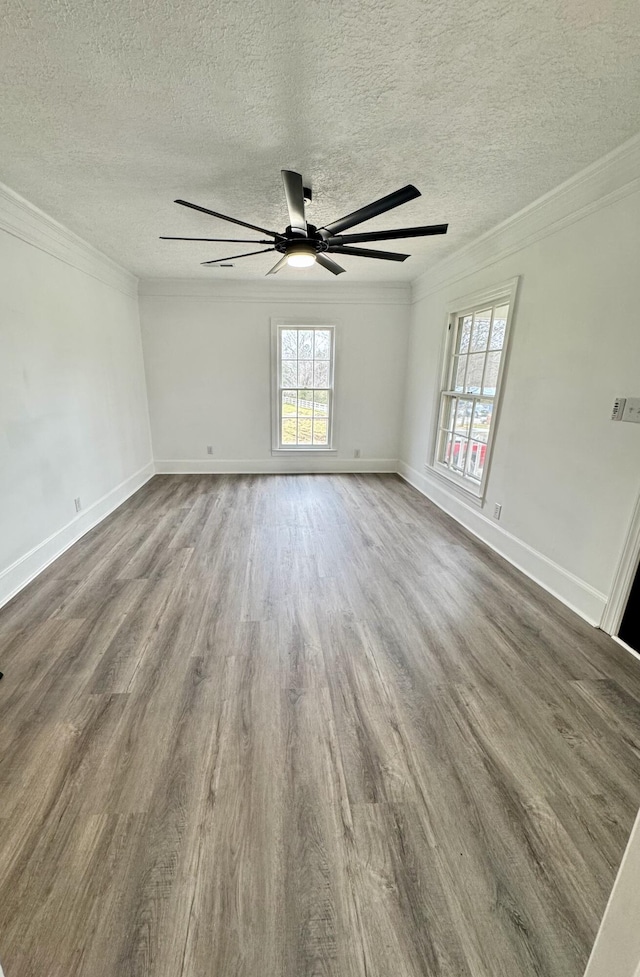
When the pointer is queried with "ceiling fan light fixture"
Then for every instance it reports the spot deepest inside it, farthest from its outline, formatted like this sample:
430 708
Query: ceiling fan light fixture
301 260
301 254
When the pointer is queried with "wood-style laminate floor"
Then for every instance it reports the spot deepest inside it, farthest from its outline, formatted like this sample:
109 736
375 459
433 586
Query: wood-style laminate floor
283 726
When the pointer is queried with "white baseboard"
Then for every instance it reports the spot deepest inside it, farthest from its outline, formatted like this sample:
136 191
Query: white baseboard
571 590
27 567
618 641
304 465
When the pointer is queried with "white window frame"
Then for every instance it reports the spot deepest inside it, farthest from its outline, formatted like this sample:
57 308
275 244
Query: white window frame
277 447
502 294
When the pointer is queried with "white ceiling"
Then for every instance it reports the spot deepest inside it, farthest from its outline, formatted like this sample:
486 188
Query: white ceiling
112 109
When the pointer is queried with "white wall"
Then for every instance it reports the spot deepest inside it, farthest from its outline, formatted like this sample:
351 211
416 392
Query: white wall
616 951
567 477
73 412
208 365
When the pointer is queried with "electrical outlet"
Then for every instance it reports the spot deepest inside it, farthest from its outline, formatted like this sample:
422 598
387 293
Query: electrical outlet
209 449
497 510
356 452
77 504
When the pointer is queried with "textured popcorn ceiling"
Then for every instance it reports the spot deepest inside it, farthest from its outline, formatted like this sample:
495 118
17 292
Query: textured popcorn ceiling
111 109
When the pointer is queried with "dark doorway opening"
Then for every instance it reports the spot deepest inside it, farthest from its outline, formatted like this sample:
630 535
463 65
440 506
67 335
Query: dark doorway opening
630 628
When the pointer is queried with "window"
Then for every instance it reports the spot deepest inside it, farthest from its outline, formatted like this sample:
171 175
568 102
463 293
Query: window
468 401
304 398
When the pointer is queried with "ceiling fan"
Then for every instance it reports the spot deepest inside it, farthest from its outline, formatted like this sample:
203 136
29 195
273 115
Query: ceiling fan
302 244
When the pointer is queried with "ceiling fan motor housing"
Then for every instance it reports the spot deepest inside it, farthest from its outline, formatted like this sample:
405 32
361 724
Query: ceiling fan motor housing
309 243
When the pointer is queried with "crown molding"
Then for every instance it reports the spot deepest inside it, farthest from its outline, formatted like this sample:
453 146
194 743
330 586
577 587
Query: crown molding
23 220
337 293
610 178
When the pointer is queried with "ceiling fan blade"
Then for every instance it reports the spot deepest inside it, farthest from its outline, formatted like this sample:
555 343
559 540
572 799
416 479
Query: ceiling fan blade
329 264
223 217
365 253
373 210
232 257
294 193
388 235
278 265
226 240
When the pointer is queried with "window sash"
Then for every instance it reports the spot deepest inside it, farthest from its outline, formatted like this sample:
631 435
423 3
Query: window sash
462 448
325 418
449 434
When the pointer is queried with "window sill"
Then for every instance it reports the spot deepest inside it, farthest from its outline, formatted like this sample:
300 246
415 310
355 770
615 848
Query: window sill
470 493
304 451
